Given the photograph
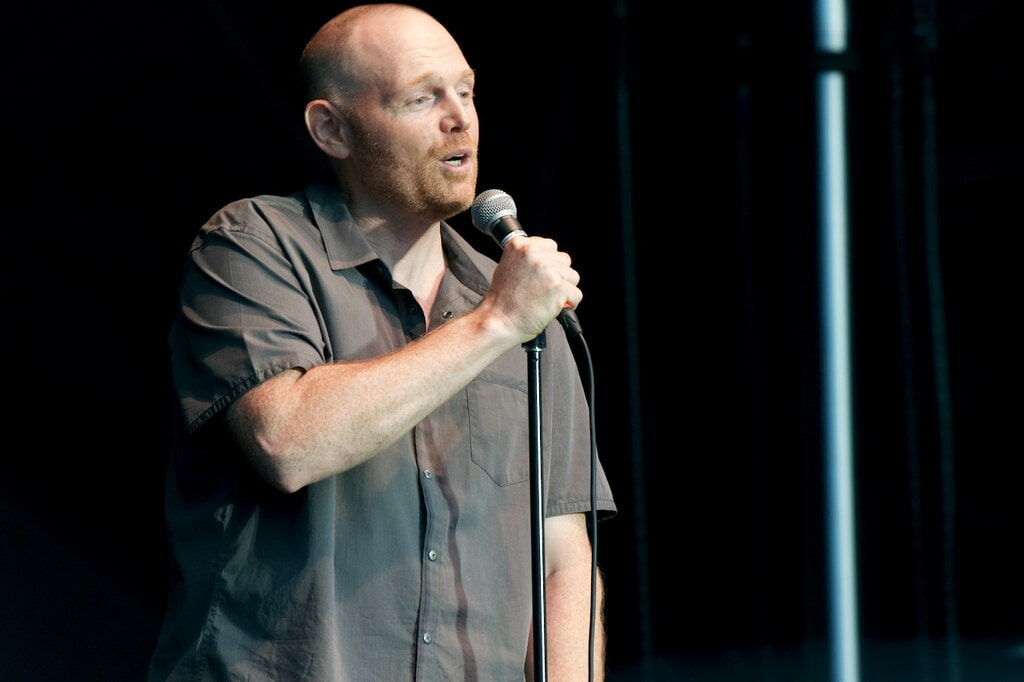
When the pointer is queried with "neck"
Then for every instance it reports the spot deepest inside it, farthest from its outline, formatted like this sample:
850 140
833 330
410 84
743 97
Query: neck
414 256
408 241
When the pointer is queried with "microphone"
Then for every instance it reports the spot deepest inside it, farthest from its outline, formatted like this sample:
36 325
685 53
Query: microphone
494 213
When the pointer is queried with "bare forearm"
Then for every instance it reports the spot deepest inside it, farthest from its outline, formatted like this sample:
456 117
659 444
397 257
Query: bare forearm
568 627
569 564
301 427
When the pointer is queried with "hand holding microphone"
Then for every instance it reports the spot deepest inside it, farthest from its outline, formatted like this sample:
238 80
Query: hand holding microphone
532 268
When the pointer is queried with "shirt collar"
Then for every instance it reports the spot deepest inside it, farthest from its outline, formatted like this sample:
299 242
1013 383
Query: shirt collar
345 244
347 247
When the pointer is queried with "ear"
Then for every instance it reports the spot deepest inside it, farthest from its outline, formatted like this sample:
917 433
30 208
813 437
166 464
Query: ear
328 128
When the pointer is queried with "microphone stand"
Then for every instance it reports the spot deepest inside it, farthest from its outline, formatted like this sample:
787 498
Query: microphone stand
533 351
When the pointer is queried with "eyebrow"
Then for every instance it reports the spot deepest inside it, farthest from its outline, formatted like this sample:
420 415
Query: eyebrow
427 77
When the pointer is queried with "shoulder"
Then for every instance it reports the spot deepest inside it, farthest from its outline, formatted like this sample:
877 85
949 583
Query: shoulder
261 210
266 216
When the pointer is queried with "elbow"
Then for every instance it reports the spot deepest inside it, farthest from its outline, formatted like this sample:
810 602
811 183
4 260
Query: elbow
287 485
263 423
284 480
278 462
272 451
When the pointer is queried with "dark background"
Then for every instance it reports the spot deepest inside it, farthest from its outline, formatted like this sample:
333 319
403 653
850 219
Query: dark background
669 148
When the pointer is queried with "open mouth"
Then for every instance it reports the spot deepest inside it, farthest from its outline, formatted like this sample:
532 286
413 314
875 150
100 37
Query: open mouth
457 157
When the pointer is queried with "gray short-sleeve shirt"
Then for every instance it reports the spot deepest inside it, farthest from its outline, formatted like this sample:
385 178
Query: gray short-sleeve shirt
415 564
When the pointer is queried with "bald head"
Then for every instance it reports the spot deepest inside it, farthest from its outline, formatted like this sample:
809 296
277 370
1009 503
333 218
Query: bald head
340 59
390 102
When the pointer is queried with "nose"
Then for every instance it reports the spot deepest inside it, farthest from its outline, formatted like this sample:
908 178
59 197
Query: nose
458 113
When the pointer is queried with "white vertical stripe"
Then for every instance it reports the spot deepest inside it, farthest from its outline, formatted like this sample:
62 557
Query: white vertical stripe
837 383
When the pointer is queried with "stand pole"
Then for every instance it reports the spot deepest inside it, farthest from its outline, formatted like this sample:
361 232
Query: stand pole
533 350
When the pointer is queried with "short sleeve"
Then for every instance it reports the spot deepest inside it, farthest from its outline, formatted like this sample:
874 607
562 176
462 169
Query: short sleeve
570 457
244 315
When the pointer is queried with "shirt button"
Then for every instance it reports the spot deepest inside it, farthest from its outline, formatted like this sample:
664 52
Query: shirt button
432 555
427 638
447 314
412 310
427 473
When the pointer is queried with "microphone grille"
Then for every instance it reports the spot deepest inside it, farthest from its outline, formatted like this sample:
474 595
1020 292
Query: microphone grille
489 206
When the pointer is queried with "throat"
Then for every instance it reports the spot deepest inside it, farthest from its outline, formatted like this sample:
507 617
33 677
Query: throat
422 276
427 296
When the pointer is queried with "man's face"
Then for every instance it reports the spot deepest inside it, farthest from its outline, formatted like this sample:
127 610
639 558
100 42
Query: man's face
414 126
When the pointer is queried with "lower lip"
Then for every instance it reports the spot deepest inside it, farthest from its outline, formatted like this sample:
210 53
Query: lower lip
463 167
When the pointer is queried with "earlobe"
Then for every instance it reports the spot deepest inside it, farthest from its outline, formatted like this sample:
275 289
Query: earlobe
328 128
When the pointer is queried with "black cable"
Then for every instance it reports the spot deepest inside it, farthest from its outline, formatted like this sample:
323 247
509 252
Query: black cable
593 504
586 367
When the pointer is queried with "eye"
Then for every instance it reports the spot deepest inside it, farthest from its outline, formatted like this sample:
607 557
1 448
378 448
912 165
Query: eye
420 100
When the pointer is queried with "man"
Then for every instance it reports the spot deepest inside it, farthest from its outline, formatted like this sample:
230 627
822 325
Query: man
349 498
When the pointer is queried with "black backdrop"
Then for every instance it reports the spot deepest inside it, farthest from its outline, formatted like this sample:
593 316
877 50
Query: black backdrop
673 154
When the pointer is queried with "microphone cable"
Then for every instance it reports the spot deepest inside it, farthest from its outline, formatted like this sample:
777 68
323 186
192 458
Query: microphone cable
576 335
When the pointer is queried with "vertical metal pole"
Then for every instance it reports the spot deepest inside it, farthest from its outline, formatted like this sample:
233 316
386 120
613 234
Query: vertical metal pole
837 383
540 657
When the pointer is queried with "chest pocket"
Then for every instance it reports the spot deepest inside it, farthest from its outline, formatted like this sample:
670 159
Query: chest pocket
499 427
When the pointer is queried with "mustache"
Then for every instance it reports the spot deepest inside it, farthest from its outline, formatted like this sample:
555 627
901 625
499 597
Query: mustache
454 143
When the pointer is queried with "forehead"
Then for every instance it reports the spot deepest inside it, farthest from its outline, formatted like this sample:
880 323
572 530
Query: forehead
404 49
